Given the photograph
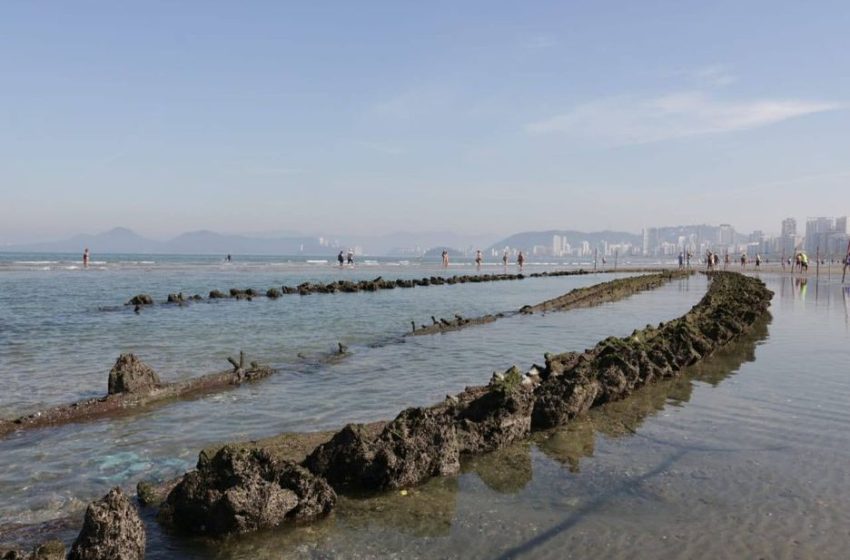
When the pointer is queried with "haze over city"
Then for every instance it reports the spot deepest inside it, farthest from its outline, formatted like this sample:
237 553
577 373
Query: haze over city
472 118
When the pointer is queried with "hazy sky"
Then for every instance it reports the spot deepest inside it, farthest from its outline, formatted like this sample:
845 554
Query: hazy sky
370 117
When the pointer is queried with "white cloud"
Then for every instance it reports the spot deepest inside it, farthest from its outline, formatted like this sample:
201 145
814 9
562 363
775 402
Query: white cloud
630 120
714 76
412 104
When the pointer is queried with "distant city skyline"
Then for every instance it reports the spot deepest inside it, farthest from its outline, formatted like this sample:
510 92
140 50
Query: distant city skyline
374 117
827 236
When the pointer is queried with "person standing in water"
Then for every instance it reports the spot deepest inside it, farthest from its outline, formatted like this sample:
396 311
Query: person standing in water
520 260
478 258
340 259
351 257
445 256
505 258
86 258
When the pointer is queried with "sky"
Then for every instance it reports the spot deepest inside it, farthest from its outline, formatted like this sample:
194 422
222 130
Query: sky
373 117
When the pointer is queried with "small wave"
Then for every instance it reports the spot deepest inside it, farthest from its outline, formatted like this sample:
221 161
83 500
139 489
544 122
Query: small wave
318 261
35 262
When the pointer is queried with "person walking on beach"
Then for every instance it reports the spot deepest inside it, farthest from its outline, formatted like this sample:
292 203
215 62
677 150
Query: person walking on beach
478 259
743 261
520 260
86 258
688 259
846 264
758 260
681 259
340 259
505 258
351 257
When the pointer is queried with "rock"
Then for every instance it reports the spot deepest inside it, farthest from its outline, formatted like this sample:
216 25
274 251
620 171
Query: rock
147 493
273 293
488 418
217 294
572 382
141 299
111 529
12 554
131 375
240 490
175 298
51 550
418 444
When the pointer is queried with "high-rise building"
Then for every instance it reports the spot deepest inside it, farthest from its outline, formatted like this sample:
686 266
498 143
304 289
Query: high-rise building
789 227
817 234
726 234
557 246
841 225
650 240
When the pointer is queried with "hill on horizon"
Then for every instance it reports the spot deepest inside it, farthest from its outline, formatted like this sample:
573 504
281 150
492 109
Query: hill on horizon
528 239
206 242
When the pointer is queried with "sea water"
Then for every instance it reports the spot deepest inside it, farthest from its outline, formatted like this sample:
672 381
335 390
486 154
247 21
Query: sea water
742 457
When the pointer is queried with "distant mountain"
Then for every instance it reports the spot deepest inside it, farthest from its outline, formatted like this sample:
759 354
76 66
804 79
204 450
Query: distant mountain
205 242
438 252
406 243
528 239
210 242
123 240
117 240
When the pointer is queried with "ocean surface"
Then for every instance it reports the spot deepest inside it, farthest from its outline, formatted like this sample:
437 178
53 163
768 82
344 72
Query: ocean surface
745 456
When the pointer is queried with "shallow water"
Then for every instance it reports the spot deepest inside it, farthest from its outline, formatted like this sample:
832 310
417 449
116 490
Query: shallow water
52 473
61 330
743 457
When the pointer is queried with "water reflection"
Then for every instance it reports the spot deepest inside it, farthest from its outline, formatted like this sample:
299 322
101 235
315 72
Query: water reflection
431 510
845 292
569 444
506 470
